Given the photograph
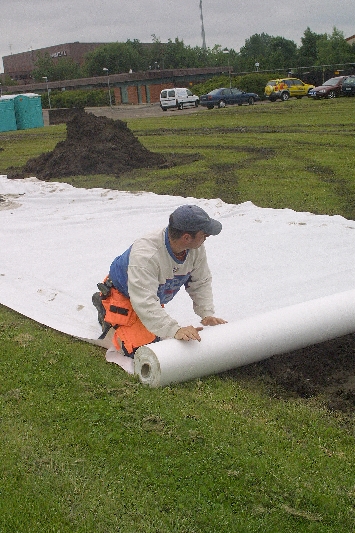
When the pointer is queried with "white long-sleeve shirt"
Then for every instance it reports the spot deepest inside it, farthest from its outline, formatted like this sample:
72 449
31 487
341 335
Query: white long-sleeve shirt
150 275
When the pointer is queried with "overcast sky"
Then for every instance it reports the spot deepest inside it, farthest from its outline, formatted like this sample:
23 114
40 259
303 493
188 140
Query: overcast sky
28 25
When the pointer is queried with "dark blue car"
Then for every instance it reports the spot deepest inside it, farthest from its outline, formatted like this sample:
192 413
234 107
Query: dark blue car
222 97
348 86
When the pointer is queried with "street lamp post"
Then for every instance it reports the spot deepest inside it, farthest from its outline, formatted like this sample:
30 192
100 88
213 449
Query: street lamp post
229 69
108 85
49 97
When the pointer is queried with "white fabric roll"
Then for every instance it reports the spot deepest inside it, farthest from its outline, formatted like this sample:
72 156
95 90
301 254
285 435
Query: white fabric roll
239 343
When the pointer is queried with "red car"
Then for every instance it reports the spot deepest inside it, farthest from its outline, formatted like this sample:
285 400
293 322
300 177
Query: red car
330 88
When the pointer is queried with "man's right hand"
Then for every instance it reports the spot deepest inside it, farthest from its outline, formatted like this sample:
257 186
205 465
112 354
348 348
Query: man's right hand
188 333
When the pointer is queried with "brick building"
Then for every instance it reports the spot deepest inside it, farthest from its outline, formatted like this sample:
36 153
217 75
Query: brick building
128 88
20 66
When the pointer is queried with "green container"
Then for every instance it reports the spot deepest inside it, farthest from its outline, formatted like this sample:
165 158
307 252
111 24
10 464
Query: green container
28 111
7 114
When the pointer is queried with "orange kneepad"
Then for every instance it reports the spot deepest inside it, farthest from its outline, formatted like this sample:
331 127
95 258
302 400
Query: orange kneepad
133 336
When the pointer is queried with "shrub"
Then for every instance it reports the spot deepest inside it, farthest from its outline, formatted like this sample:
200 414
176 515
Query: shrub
77 99
252 83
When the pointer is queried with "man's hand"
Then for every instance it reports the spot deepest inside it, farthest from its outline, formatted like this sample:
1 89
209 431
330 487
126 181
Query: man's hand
212 321
188 333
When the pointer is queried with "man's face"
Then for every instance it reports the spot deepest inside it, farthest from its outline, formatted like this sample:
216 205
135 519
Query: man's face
195 242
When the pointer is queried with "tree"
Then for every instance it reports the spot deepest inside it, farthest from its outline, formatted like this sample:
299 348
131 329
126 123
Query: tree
283 53
177 55
307 52
156 55
65 68
116 57
255 50
333 49
43 67
62 68
270 52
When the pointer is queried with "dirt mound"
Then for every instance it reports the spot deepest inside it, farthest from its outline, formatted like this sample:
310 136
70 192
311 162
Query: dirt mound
94 145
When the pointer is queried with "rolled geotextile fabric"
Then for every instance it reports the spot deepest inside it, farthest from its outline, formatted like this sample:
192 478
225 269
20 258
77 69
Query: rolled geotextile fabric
240 343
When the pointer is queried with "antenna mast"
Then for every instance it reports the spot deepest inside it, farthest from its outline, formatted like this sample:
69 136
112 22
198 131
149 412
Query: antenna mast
202 28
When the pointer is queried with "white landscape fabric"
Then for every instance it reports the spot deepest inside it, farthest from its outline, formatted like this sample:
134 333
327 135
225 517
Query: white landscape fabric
282 279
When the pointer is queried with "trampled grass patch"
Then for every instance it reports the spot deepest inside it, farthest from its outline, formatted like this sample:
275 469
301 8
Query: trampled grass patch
297 155
86 448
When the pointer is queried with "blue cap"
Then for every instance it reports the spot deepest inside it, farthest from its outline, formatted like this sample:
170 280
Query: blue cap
193 218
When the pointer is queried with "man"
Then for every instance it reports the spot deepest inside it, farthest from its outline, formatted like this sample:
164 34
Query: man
149 274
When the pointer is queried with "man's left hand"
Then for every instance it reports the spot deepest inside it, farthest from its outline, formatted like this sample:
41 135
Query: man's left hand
212 321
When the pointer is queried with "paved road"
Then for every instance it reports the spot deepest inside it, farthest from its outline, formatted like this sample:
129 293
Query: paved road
125 111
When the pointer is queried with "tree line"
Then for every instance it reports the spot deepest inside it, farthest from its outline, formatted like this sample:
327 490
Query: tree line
261 52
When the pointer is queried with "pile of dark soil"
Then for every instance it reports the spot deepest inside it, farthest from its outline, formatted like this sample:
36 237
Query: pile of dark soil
94 145
325 371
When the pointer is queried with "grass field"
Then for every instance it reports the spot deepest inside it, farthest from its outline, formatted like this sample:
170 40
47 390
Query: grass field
85 448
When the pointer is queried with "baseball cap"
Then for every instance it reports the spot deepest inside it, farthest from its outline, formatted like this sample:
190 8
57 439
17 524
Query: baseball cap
193 218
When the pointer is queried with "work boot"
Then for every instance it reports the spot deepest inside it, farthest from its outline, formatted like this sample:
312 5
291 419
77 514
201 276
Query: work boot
96 300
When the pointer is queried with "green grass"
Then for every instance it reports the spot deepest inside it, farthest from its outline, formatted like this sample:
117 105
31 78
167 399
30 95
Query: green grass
16 147
86 448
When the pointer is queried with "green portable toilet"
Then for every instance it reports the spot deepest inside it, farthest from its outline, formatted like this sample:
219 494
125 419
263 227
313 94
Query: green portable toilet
28 111
7 114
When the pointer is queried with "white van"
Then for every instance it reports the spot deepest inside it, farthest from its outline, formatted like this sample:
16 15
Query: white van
178 97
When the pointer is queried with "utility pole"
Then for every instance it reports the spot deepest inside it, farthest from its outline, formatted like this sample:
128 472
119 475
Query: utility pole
226 51
202 28
48 92
108 85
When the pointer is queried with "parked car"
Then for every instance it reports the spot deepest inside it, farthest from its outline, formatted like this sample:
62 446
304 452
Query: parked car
222 97
177 97
285 88
329 89
348 86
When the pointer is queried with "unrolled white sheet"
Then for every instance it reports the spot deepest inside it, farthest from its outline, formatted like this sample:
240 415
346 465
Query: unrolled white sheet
57 242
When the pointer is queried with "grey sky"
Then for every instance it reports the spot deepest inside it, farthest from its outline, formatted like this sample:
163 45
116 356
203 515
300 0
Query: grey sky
28 25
